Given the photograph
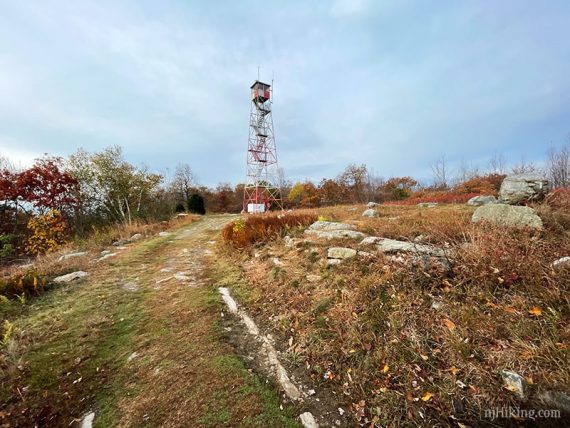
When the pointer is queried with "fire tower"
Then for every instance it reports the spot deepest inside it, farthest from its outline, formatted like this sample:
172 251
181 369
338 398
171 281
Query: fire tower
261 192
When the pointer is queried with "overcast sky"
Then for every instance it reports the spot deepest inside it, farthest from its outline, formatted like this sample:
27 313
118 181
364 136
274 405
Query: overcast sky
393 84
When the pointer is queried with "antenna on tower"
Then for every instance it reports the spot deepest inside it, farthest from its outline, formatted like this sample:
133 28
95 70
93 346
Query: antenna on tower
261 192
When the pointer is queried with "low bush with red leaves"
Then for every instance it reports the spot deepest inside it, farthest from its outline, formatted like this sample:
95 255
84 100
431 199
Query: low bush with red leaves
249 230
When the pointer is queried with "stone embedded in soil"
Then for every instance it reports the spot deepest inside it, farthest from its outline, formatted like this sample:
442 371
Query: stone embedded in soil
276 262
335 234
308 420
135 237
330 225
132 356
371 205
514 383
72 255
333 262
386 245
131 286
428 204
164 234
70 277
555 399
340 253
106 256
370 213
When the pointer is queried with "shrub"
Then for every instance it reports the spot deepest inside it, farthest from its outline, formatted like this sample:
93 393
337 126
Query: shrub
179 208
48 232
196 204
439 197
247 231
6 246
27 284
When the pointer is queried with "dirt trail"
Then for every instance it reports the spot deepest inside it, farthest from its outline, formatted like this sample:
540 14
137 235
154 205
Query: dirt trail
139 344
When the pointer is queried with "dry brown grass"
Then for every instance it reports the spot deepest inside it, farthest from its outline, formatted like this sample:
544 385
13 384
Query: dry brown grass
388 332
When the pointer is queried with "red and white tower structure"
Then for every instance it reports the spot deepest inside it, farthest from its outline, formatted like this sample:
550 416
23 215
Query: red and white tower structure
261 192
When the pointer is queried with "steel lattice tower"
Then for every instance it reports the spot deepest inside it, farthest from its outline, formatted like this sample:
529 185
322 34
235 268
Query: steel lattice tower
262 191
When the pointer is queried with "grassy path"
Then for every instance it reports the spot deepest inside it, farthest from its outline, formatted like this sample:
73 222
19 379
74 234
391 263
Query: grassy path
138 343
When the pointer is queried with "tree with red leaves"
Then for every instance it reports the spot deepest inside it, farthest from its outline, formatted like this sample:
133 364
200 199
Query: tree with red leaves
47 186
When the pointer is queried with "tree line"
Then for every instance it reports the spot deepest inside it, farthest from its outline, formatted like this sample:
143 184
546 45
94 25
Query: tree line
87 191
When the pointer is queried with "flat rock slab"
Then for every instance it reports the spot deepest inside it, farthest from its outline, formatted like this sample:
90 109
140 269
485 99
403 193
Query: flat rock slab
508 215
335 234
72 255
70 277
331 225
386 245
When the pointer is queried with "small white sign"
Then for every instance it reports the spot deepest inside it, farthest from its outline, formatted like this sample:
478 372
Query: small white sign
255 208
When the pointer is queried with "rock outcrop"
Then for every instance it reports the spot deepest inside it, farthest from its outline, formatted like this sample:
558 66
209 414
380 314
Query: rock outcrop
370 213
508 215
477 201
517 188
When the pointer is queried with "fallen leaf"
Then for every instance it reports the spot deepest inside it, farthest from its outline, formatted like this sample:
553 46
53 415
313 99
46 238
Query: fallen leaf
424 357
449 324
535 310
454 370
427 396
386 368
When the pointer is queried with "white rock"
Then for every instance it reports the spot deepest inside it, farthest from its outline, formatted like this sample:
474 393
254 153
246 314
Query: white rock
333 262
105 252
308 420
181 276
132 356
311 392
87 421
135 237
70 277
371 205
72 255
276 262
562 262
164 234
428 204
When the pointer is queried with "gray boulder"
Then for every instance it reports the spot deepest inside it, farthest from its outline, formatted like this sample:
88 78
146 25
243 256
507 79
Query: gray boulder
135 237
386 245
371 205
477 201
508 215
555 400
517 188
370 213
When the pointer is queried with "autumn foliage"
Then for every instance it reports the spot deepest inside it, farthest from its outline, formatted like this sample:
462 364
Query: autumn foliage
47 233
